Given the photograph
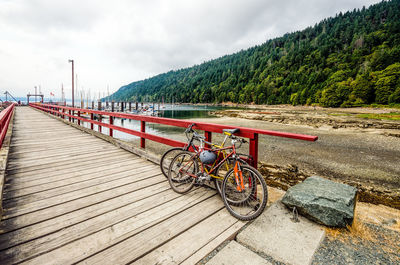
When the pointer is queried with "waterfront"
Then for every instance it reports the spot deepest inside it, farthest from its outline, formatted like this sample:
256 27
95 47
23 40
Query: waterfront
182 111
358 156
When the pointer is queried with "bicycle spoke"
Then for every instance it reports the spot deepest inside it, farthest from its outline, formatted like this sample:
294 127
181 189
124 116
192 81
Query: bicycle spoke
248 201
181 172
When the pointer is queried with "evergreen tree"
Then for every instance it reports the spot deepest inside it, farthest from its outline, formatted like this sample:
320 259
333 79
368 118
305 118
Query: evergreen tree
350 59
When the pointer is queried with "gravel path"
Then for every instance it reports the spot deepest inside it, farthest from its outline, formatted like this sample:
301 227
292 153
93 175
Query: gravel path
379 246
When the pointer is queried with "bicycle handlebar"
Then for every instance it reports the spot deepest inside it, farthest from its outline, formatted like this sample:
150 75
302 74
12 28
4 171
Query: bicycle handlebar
201 138
189 128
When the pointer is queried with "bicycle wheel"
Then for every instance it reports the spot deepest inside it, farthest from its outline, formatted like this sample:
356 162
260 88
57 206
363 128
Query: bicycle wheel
223 169
245 202
181 172
167 157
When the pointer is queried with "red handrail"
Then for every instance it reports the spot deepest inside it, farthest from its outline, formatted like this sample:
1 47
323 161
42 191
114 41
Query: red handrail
250 133
5 117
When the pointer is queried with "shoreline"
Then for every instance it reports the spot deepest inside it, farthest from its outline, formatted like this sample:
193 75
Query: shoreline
366 109
363 158
322 118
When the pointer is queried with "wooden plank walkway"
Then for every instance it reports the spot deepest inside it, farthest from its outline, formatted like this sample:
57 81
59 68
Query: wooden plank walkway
73 198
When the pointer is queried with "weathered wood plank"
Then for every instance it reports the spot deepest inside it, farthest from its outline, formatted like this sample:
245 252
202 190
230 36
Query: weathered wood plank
23 151
229 233
46 157
56 154
72 166
140 178
193 239
54 141
120 220
59 162
20 232
27 179
29 186
137 234
40 193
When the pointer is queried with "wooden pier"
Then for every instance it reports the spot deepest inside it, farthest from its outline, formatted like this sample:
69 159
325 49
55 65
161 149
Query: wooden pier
70 197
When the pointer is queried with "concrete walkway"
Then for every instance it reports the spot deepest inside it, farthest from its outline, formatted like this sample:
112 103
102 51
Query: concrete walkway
274 236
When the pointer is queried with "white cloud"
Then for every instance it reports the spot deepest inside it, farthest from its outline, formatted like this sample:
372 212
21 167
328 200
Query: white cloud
117 42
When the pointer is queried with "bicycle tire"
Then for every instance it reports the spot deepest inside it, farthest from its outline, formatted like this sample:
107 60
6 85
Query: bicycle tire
164 163
254 204
252 189
179 172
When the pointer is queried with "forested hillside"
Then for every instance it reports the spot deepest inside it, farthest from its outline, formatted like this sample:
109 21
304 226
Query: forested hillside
351 59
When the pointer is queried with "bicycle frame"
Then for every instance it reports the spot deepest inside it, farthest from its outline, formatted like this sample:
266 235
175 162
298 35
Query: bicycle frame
237 169
214 166
220 148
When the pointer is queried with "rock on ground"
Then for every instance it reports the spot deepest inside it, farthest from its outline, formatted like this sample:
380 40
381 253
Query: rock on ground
323 201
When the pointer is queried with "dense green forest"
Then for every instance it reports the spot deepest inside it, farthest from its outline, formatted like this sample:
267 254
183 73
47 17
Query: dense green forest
350 59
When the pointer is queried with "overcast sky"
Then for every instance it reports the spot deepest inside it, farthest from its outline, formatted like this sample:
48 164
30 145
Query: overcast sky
117 42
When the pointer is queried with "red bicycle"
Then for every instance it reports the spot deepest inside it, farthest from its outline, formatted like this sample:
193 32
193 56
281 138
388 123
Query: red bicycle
243 191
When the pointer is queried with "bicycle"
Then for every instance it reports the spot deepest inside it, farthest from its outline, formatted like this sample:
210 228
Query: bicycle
243 190
222 170
171 153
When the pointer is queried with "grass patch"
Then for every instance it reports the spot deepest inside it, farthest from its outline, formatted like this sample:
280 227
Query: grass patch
374 105
340 114
394 116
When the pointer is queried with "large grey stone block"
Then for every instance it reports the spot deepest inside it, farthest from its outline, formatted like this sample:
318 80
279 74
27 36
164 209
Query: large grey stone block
274 234
323 201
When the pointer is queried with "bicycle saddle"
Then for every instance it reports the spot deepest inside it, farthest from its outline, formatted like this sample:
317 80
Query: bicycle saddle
230 131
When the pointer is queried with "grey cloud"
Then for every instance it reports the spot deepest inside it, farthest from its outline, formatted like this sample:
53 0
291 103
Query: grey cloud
208 29
42 15
117 42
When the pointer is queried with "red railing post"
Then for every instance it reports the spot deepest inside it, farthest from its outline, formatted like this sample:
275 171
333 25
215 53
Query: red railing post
253 149
111 123
79 121
208 136
99 121
91 124
143 130
69 117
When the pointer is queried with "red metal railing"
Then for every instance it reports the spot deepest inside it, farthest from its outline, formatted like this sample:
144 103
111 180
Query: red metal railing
208 128
5 117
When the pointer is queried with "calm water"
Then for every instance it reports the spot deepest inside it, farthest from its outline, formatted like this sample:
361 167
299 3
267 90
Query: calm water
186 112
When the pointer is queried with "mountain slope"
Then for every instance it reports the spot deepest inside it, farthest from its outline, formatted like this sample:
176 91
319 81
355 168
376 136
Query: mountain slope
351 59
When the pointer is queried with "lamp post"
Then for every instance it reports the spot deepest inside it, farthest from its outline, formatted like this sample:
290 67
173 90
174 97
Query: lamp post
72 61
